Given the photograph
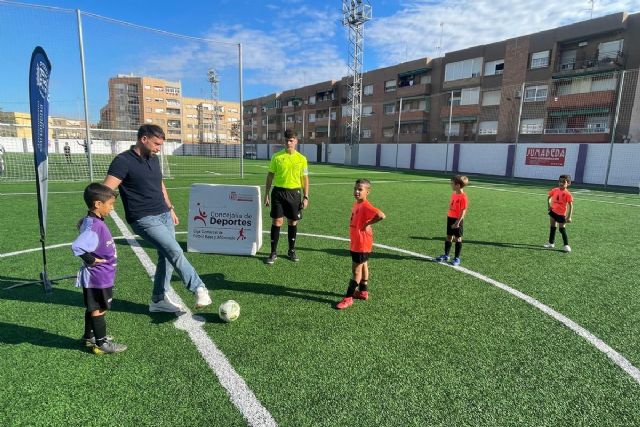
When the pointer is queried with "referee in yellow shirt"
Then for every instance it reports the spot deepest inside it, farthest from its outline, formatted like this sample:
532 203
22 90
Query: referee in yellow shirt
289 174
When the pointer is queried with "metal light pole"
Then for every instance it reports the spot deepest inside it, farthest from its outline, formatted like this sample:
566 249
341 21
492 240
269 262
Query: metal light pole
398 138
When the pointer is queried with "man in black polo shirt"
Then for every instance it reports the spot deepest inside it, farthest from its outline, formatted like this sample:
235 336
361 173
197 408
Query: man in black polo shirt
149 211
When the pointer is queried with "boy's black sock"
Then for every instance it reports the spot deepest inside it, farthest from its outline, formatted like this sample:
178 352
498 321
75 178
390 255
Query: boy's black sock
292 232
352 288
99 328
363 286
447 247
458 249
275 236
88 326
552 234
565 238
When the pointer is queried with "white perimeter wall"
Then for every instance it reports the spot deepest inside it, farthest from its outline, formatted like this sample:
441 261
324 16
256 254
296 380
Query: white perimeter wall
487 159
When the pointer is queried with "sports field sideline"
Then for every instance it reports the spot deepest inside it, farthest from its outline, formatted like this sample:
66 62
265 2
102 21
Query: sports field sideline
519 335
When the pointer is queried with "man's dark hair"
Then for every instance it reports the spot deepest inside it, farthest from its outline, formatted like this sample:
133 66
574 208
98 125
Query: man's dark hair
150 131
97 192
290 133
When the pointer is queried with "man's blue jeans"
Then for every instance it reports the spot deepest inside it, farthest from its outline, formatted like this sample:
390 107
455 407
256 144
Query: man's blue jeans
159 231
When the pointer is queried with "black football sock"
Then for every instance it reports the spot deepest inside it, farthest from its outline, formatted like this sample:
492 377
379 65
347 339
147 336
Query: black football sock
99 328
458 249
363 286
552 235
447 247
352 288
292 232
275 236
88 326
565 238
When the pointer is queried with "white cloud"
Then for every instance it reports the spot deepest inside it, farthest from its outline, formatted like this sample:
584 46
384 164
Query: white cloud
414 31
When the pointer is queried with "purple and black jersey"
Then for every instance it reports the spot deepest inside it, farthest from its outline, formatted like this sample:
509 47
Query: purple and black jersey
95 239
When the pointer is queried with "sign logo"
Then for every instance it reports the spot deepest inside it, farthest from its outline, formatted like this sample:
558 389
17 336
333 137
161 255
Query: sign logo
42 79
237 197
202 216
542 156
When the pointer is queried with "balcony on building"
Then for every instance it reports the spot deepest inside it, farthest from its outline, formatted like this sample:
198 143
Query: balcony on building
414 82
582 125
291 103
587 57
326 96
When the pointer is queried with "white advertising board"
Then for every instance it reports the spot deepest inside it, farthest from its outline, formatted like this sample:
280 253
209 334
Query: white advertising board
225 219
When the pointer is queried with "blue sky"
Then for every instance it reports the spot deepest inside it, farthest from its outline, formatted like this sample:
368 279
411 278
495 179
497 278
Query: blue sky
286 43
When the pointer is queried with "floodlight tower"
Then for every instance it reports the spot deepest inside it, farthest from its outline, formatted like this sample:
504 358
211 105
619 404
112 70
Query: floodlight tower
213 78
354 14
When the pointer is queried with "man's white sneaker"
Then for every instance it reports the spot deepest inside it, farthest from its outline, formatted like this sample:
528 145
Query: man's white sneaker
165 306
566 248
202 297
549 245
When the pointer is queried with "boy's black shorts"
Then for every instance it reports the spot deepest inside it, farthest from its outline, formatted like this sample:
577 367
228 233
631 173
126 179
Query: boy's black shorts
97 299
359 257
457 232
561 219
286 203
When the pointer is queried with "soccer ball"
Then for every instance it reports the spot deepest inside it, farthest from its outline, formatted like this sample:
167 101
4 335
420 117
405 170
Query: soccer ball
229 310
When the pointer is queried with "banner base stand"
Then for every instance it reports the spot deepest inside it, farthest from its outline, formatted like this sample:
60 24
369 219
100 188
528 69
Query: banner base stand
44 280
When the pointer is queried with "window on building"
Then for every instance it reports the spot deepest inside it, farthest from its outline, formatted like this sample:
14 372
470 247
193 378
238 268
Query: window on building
368 90
531 126
312 99
173 102
494 67
609 50
491 97
389 108
414 104
598 124
172 90
159 110
158 88
388 132
312 117
390 85
367 110
540 59
535 93
568 59
463 69
147 86
412 128
147 109
173 111
470 96
149 120
603 83
453 130
173 123
366 133
488 128
425 79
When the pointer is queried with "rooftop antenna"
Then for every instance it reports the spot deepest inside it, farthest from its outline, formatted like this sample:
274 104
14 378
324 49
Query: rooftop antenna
439 47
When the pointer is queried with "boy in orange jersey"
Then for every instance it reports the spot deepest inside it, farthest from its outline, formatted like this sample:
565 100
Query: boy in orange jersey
455 219
363 216
560 204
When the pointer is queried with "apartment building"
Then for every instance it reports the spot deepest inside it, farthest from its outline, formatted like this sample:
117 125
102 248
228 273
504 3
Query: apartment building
18 125
560 85
134 101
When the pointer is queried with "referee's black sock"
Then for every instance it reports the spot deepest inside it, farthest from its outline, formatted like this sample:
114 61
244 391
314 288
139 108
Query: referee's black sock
292 232
275 236
352 288
363 286
99 328
88 325
565 238
552 234
447 247
458 249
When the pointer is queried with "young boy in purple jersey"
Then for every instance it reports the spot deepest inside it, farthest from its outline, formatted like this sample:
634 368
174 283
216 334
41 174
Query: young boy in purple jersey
96 277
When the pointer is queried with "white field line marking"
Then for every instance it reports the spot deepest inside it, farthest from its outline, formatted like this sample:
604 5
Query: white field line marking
544 194
241 395
612 354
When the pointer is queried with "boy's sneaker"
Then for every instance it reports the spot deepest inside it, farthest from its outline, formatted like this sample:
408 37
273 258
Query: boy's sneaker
109 347
165 306
364 295
345 303
202 297
90 342
292 256
566 248
442 258
272 258
549 245
455 262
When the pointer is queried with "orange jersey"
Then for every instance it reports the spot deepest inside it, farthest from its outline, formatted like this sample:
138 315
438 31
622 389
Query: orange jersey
559 200
361 213
457 204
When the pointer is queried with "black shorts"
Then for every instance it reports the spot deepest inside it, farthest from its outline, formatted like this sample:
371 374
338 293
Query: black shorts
457 232
561 219
97 299
359 257
286 203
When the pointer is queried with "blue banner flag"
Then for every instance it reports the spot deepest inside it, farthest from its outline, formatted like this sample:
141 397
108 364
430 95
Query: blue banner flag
39 72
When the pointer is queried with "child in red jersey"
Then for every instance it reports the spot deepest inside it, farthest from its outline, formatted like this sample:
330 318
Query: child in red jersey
363 216
560 204
455 219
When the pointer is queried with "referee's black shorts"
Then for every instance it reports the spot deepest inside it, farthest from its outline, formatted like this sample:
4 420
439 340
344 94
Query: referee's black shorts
286 202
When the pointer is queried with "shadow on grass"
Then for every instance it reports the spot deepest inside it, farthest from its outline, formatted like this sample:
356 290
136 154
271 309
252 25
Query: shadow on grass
485 243
17 334
345 253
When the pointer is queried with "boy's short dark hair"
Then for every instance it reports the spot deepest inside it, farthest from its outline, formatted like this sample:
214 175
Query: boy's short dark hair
290 133
461 180
97 192
565 178
363 181
150 131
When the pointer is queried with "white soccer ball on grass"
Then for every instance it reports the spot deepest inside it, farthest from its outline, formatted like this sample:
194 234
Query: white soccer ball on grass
229 310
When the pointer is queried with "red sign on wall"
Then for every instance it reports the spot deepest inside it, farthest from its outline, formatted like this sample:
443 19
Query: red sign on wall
543 156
